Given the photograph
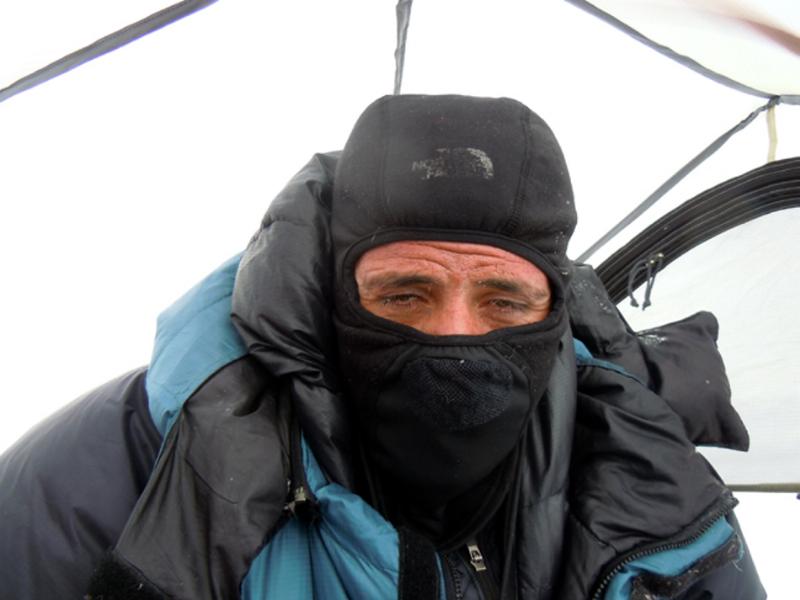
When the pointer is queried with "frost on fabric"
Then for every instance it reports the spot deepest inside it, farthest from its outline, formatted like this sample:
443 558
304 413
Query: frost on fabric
455 162
652 339
598 298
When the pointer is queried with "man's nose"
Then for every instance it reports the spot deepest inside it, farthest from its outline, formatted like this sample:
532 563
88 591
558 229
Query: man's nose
455 317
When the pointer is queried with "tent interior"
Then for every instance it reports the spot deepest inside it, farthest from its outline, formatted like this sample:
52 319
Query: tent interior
128 177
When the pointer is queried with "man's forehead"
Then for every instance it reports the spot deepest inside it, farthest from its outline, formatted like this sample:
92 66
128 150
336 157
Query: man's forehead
444 255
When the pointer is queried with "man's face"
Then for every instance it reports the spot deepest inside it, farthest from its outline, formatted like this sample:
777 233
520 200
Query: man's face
451 288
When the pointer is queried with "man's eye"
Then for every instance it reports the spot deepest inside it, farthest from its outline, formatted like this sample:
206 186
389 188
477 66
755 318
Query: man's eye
399 300
506 305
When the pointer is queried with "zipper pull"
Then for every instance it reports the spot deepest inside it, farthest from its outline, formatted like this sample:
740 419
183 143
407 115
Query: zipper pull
303 504
300 495
475 556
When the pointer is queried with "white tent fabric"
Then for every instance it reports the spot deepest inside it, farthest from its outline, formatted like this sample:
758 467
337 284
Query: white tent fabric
752 43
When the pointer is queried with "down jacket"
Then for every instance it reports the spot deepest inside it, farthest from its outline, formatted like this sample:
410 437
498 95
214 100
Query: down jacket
225 468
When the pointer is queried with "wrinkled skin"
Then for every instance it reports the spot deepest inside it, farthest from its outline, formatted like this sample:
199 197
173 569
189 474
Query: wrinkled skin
451 288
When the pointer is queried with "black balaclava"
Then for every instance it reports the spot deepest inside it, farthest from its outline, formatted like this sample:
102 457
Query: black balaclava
441 417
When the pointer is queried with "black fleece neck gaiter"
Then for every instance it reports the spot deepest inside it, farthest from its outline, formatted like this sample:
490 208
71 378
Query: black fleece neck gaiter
439 416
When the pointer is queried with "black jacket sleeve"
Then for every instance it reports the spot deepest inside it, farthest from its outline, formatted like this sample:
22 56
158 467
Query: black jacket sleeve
68 486
673 362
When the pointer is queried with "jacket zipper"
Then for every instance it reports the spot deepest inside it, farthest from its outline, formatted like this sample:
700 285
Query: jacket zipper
453 582
485 582
720 512
303 503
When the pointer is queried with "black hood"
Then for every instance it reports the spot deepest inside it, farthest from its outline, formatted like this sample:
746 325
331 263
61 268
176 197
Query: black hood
455 168
282 309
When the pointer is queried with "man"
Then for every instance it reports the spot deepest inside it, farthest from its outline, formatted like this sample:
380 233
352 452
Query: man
380 399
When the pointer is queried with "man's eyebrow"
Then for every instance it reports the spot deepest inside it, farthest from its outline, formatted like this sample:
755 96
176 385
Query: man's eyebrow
397 280
514 287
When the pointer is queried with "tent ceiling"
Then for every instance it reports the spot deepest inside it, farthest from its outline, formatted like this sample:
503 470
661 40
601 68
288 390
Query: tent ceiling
754 43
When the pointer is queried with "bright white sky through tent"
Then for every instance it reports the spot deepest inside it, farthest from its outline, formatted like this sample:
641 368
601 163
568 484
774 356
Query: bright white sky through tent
127 180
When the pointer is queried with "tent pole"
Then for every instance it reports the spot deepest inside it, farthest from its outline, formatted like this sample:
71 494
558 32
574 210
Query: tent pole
105 45
674 180
403 12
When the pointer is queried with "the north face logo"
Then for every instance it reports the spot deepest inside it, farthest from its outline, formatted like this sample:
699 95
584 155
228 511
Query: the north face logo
455 163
